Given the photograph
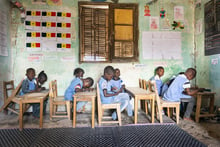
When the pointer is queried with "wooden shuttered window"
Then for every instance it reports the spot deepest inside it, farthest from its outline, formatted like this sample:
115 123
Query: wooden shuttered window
104 38
124 32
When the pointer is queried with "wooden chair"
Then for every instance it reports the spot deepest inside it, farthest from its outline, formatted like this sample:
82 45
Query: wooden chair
164 104
8 87
56 101
9 101
102 107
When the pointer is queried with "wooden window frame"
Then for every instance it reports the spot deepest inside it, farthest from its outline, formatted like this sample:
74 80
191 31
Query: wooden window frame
110 38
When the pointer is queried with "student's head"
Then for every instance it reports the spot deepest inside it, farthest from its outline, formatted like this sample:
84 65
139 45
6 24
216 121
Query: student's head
109 72
30 73
159 71
117 73
190 73
78 72
88 82
42 77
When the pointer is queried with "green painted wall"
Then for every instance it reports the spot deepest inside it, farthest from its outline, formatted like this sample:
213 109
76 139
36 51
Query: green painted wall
62 71
5 61
208 73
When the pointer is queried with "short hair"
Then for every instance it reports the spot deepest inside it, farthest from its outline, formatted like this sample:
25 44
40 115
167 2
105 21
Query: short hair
157 69
30 69
109 70
117 69
192 71
42 74
77 71
91 81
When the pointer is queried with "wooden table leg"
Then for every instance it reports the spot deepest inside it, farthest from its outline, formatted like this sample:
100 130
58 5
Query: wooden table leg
20 116
74 112
152 110
93 112
198 106
135 109
211 104
41 112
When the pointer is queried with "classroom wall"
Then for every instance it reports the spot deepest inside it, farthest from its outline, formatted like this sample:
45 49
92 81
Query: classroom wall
208 72
6 69
57 67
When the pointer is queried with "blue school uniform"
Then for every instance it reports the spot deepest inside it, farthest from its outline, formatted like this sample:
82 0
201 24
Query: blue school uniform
105 85
71 90
176 89
116 84
28 86
159 83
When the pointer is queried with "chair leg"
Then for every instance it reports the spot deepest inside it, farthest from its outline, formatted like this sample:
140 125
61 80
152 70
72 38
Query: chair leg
100 113
160 114
68 109
168 111
177 113
51 109
119 115
146 107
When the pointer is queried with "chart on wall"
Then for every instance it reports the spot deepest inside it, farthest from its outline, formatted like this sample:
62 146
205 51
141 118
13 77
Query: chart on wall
161 45
48 30
212 27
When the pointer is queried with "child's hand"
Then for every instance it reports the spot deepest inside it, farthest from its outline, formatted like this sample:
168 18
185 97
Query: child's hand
38 89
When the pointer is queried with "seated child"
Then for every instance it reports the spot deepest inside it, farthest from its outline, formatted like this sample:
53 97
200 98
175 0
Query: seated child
168 83
116 82
41 79
78 85
29 85
180 90
159 72
116 97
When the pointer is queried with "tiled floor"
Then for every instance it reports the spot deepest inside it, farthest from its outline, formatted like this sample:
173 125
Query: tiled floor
200 131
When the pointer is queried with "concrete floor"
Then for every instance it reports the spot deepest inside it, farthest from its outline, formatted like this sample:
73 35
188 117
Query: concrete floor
207 131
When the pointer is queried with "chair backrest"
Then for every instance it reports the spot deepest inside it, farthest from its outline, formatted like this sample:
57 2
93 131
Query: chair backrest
53 89
153 88
140 83
144 84
98 97
8 87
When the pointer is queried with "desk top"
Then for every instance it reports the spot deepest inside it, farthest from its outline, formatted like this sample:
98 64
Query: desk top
85 93
40 94
138 91
206 93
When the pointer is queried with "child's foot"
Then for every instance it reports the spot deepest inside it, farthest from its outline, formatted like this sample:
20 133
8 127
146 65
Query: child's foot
114 116
81 110
188 119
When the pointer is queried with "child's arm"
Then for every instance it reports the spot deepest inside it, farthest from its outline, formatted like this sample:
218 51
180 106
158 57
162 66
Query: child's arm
109 94
190 91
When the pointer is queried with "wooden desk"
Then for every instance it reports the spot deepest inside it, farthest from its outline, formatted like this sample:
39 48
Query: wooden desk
88 96
36 97
204 95
141 94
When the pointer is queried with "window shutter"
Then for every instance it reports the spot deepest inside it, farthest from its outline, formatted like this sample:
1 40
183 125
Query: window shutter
94 34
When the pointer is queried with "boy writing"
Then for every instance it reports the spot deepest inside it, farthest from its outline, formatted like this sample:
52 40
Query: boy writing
180 90
108 97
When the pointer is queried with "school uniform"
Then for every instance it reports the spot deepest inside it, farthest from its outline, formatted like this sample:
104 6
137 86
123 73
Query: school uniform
28 86
71 90
159 83
116 84
175 93
122 98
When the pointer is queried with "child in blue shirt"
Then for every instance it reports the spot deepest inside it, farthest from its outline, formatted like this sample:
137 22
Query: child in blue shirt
77 85
108 97
30 84
180 90
116 82
159 72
